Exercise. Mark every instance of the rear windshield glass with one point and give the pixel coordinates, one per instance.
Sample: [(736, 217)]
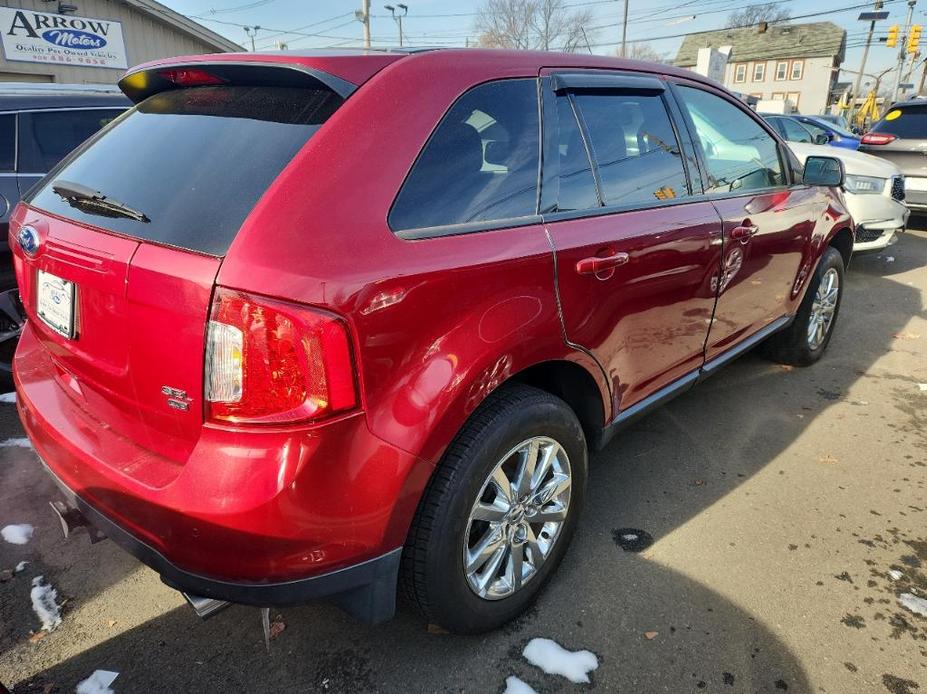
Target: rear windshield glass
[(193, 162), (910, 122)]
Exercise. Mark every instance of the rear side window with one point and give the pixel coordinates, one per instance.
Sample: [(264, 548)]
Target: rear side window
[(909, 122), (480, 164), (577, 186), (739, 154), (46, 137), (634, 147), (7, 142), (193, 161), (792, 131)]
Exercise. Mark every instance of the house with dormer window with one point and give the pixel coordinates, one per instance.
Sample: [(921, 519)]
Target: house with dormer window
[(776, 61)]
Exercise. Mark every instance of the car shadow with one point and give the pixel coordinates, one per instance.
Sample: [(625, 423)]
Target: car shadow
[(653, 627)]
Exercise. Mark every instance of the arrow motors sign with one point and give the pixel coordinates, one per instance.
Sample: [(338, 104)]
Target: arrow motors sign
[(43, 37)]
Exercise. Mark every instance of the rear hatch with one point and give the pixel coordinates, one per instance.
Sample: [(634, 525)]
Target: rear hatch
[(132, 229), (901, 137)]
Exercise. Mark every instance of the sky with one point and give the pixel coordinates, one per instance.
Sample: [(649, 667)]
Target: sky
[(330, 23)]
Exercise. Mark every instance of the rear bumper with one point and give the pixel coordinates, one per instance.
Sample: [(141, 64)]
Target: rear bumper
[(269, 517), (366, 590)]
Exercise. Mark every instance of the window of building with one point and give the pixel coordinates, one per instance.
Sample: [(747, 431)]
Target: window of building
[(481, 163), (758, 95), (782, 68), (739, 154), (778, 96), (798, 67), (794, 98), (634, 147), (759, 72), (740, 72)]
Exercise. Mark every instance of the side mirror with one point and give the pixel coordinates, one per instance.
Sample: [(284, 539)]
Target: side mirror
[(823, 171), (822, 139)]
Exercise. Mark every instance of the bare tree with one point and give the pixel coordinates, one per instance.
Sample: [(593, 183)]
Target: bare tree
[(643, 51), (754, 14), (532, 25)]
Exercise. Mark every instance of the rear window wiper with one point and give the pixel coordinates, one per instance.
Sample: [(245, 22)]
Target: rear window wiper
[(95, 202)]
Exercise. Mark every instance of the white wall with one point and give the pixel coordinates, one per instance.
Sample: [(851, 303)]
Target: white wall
[(809, 94), (145, 38)]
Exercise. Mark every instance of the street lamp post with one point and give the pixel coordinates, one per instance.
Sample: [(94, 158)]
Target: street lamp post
[(252, 32), (403, 10)]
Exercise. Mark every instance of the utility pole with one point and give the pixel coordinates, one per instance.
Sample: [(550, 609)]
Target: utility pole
[(363, 16), (397, 17), (624, 32), (903, 48), (862, 66)]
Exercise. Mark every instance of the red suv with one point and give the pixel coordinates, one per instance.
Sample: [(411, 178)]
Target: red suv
[(306, 326)]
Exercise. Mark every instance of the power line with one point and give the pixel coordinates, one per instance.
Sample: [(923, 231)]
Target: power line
[(744, 26), (248, 6)]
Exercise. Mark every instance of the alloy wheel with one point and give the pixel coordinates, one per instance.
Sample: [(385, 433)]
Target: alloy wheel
[(517, 518), (823, 308)]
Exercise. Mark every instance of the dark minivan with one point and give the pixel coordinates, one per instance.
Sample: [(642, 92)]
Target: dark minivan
[(39, 125)]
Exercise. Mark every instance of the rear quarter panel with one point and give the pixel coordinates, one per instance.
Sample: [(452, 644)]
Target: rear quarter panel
[(439, 323)]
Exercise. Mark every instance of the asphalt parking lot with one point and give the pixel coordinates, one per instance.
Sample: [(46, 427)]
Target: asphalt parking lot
[(788, 509)]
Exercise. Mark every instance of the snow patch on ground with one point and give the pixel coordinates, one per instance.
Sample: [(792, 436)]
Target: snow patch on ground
[(915, 604), (630, 537), (16, 443), (513, 685), (43, 603), (8, 397), (17, 534), (895, 574), (554, 659), (98, 683), (922, 386), (20, 567)]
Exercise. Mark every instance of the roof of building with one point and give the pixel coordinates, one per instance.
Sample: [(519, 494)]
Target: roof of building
[(181, 23), (817, 39)]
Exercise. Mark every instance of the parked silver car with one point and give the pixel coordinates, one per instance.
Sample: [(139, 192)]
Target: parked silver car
[(900, 136)]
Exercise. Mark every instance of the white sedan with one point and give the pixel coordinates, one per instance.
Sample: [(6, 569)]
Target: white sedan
[(874, 188), (874, 193)]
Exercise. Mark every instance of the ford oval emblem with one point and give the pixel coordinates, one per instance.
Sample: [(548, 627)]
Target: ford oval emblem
[(29, 241)]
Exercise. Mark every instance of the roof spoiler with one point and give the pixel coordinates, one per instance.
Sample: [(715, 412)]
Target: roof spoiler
[(147, 80)]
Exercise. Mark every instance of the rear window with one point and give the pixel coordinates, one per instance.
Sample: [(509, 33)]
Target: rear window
[(909, 122), (481, 163), (47, 137), (7, 142), (193, 161)]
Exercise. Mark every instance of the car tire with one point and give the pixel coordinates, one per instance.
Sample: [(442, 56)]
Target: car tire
[(11, 323), (448, 532), (804, 341)]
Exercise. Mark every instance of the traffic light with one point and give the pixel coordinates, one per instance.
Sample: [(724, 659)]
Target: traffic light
[(914, 38), (892, 39)]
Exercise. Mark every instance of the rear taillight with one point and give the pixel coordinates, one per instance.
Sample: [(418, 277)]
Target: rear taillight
[(272, 362), (878, 138), (190, 77)]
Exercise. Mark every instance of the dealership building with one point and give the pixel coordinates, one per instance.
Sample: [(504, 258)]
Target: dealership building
[(94, 41)]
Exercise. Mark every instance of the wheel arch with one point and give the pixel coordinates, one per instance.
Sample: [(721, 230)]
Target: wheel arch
[(843, 240), (574, 385)]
